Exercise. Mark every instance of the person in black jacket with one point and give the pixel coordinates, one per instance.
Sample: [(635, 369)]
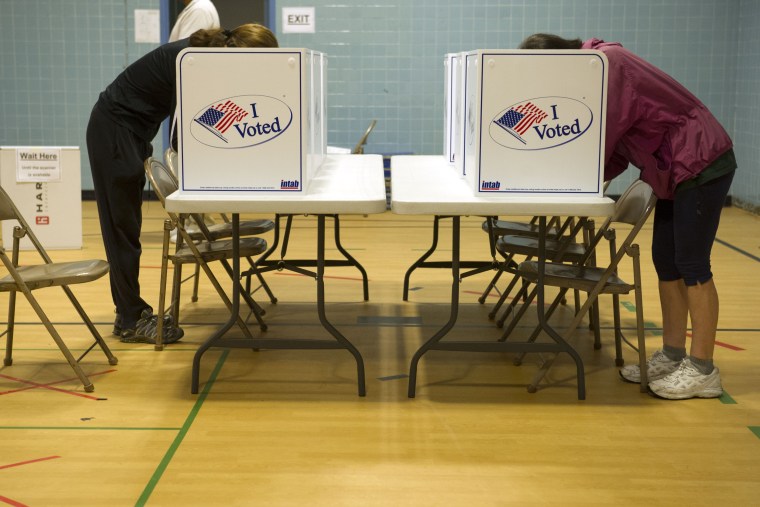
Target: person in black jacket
[(123, 122)]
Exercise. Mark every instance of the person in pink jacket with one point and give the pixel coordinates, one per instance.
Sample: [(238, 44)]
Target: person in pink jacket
[(682, 151)]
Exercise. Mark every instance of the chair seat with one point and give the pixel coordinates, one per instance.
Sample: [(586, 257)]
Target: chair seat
[(222, 249), (506, 227), (574, 277), (56, 274), (526, 245), (224, 229)]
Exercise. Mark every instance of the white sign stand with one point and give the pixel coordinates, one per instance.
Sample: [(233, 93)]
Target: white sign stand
[(47, 192)]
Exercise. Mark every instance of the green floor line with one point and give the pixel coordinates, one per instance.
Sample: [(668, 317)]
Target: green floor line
[(726, 399), (650, 327), (182, 433), (628, 306), (755, 430)]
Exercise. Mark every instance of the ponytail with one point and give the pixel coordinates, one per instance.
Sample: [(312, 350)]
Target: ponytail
[(245, 36)]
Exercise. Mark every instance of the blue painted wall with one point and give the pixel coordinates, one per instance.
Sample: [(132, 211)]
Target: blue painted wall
[(386, 62)]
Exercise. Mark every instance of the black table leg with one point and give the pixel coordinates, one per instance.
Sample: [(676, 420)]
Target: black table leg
[(454, 306)]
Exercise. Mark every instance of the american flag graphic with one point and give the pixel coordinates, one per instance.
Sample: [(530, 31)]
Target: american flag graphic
[(217, 119), (519, 119)]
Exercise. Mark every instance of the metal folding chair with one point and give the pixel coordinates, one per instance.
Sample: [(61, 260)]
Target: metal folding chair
[(197, 252), (212, 231), (30, 277), (632, 209)]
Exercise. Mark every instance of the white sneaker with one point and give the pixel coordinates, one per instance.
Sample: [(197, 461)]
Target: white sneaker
[(658, 365), (688, 382)]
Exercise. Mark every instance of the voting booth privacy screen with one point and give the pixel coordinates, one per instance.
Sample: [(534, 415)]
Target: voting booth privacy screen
[(250, 120), (45, 185), (532, 122), (454, 109)]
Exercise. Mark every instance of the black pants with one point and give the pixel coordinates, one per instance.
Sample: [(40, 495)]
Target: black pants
[(116, 161), (685, 229)]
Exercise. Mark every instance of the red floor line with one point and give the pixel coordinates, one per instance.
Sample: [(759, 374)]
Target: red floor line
[(20, 463), (722, 344), (34, 385), (14, 503), (490, 294)]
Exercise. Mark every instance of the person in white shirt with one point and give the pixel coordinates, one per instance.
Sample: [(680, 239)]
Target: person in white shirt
[(197, 14)]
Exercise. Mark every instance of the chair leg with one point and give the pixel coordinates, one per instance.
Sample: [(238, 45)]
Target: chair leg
[(255, 308), (253, 305), (196, 282), (264, 285), (88, 387), (490, 286), (11, 327), (547, 364), (159, 345), (618, 331), (502, 298), (520, 312), (240, 322), (176, 291), (286, 236), (517, 361), (593, 322), (91, 327), (634, 250)]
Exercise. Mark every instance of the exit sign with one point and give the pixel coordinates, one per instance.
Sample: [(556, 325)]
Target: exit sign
[(298, 20)]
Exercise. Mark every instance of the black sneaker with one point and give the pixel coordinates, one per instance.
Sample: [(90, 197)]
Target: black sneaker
[(145, 330), (117, 326)]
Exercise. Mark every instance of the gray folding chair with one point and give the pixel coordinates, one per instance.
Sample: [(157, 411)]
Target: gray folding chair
[(632, 209), (209, 230), (196, 252), (30, 277), (558, 233)]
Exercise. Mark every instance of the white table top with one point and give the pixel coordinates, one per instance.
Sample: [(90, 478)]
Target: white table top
[(429, 185), (344, 184)]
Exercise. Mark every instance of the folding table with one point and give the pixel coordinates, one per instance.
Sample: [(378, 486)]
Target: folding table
[(344, 184), (428, 185)]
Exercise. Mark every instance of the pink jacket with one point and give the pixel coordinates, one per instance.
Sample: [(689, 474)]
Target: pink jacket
[(655, 123)]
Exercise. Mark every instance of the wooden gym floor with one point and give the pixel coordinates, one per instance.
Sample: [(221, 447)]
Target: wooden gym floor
[(287, 427)]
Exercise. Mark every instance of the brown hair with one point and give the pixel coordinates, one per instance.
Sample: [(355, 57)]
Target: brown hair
[(549, 41), (245, 36)]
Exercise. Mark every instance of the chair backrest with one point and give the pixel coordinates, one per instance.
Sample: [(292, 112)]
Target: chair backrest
[(8, 210), (635, 203), (632, 208), (170, 159), (359, 148), (164, 184), (161, 179)]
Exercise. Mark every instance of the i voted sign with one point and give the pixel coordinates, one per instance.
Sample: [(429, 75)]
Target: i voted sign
[(541, 123), (241, 121)]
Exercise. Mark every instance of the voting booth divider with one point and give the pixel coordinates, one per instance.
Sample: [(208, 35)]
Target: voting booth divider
[(453, 109), (251, 121), (532, 123), (45, 184)]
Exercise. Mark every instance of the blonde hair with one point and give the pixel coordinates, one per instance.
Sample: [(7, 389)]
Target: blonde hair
[(249, 35)]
